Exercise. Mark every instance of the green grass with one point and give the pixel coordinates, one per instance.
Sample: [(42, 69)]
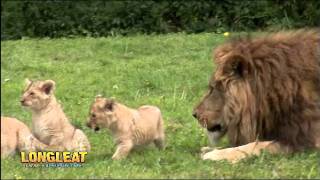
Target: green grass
[(169, 71)]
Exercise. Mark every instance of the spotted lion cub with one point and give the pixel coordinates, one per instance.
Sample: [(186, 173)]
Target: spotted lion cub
[(50, 124), (130, 127)]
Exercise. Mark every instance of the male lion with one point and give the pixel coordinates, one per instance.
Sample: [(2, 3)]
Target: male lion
[(130, 127), (265, 95), (50, 124), (16, 136)]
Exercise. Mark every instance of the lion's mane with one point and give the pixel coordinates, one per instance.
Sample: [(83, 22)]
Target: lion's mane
[(272, 87)]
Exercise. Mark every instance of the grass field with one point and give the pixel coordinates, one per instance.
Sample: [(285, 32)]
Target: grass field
[(169, 71)]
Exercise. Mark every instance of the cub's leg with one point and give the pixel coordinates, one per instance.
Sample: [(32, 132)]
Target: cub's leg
[(123, 150), (8, 147), (159, 141), (28, 142), (80, 142), (58, 141)]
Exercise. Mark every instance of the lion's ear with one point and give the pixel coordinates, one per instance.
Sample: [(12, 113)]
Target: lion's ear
[(109, 104), (27, 82), (48, 86), (98, 96), (237, 66)]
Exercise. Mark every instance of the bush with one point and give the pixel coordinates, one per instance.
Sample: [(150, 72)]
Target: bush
[(58, 18)]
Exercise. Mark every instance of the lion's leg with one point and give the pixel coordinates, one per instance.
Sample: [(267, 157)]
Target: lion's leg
[(206, 149), (84, 144), (8, 145), (123, 150), (160, 143), (214, 138), (58, 142), (80, 142), (39, 146), (160, 140), (28, 142), (7, 149), (237, 153)]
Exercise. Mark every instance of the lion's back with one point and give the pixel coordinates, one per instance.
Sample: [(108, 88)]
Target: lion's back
[(150, 118)]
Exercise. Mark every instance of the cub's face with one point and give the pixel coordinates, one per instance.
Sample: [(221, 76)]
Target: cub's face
[(37, 94), (102, 114)]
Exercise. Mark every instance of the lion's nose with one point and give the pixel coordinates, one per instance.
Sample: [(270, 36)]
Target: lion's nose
[(22, 101)]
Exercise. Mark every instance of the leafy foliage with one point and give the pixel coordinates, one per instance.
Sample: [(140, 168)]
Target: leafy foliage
[(56, 18)]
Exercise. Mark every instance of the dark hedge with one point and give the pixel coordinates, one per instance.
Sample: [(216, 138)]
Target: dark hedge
[(102, 18)]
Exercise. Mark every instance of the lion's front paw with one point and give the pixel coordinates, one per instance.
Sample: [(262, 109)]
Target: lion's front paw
[(232, 155), (206, 149)]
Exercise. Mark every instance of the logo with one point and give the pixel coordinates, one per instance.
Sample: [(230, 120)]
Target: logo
[(53, 159)]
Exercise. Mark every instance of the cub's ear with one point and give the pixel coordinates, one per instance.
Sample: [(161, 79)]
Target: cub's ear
[(48, 86), (27, 82), (109, 104), (236, 65), (98, 96)]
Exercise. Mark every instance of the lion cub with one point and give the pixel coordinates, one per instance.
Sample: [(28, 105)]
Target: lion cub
[(50, 124), (130, 127), (16, 136)]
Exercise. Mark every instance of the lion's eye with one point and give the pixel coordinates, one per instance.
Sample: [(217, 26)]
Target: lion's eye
[(93, 115), (31, 93)]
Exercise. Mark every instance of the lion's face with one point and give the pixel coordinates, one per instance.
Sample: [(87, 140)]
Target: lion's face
[(37, 94), (209, 111), (102, 114)]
